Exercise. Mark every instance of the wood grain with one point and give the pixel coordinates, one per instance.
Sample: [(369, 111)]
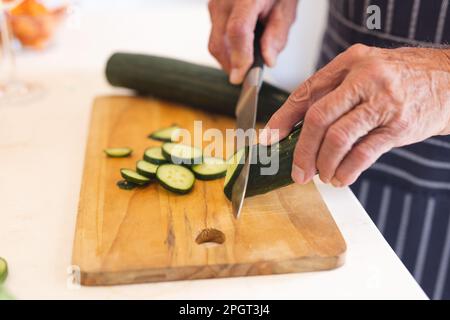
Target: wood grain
[(148, 234)]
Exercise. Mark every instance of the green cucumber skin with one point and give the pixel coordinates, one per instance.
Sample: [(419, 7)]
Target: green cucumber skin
[(177, 191), (260, 184), (132, 180), (155, 161), (151, 136), (199, 86), (146, 174)]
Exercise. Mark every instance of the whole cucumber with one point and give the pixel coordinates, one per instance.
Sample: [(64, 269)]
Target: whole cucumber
[(174, 80)]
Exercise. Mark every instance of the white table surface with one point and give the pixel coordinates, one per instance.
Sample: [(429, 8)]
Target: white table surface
[(42, 151)]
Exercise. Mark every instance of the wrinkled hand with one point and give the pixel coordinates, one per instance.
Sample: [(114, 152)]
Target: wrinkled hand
[(363, 103), (232, 33)]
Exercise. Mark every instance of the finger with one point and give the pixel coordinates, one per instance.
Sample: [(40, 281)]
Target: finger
[(276, 30), (216, 46), (240, 34), (342, 135), (318, 85), (317, 120), (362, 156)]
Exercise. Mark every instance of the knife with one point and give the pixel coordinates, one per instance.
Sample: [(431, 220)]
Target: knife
[(246, 110)]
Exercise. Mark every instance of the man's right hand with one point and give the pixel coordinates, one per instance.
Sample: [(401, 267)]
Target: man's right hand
[(232, 33)]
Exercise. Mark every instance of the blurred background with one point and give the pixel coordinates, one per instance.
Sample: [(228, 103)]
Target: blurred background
[(88, 31)]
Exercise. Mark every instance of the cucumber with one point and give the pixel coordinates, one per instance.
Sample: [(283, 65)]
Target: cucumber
[(187, 83), (175, 178), (118, 152), (235, 164), (258, 183), (169, 134), (181, 153), (210, 169), (3, 270), (146, 169), (154, 155), (134, 177), (126, 185)]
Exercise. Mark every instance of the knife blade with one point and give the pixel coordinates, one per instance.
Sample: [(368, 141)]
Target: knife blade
[(246, 110)]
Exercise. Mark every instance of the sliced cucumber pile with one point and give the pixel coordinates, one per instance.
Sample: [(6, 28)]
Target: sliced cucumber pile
[(154, 155), (168, 134), (134, 177), (175, 178), (174, 165), (210, 169), (146, 169), (118, 152), (181, 153), (3, 270)]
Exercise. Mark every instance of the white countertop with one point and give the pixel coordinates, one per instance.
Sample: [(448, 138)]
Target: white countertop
[(42, 151)]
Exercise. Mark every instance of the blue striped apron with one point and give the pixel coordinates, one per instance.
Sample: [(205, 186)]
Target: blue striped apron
[(407, 191)]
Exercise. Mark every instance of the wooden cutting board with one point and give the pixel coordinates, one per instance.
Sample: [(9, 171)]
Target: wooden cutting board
[(149, 234)]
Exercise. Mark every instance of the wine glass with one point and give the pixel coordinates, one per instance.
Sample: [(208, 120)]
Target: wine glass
[(12, 89)]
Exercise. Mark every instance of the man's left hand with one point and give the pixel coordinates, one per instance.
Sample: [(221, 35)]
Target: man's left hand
[(362, 104)]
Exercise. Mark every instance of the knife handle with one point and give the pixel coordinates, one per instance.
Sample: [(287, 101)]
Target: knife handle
[(258, 60)]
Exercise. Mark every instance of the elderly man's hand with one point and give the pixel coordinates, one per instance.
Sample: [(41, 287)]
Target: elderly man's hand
[(232, 33), (365, 102)]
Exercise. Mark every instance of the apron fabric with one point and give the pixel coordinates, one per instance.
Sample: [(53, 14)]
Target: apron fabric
[(407, 191)]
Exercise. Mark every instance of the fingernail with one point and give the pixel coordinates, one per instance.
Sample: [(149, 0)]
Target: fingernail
[(271, 57), (234, 76), (301, 94), (298, 175), (264, 137), (325, 180), (336, 183)]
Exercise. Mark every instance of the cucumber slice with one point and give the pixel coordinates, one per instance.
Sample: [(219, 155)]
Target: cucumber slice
[(181, 153), (235, 164), (3, 270), (118, 152), (146, 169), (126, 185), (168, 134), (210, 169), (154, 155), (133, 176), (175, 178)]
